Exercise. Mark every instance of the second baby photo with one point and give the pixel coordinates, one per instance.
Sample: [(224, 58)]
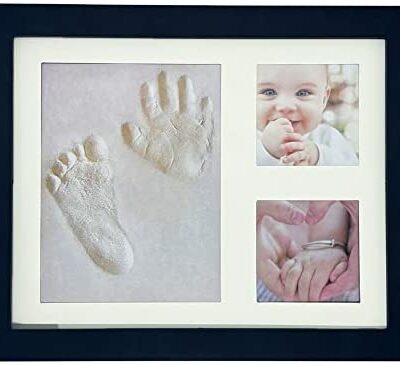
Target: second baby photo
[(307, 251), (307, 115)]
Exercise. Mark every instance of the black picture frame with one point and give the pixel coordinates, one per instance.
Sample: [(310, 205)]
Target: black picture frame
[(200, 22)]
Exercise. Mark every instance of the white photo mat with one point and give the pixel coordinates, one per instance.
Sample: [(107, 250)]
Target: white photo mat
[(242, 183)]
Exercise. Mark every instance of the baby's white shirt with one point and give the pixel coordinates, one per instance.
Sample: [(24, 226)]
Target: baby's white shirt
[(334, 149)]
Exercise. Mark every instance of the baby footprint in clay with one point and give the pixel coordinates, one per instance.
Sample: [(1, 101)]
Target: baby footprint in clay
[(81, 182)]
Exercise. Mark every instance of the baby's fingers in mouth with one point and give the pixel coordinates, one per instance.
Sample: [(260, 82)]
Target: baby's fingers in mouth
[(282, 121)]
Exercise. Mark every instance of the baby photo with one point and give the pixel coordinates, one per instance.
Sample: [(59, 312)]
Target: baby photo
[(307, 251), (130, 198), (307, 115)]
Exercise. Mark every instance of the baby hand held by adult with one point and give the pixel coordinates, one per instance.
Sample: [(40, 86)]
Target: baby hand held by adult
[(290, 274), (318, 265)]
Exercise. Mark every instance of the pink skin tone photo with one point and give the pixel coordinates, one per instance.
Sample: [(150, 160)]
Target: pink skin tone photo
[(290, 103), (295, 274)]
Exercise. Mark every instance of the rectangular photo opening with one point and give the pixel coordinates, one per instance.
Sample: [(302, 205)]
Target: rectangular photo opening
[(307, 251), (130, 199), (307, 115)]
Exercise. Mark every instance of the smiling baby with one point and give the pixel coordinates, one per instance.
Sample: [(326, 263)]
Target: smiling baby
[(290, 103)]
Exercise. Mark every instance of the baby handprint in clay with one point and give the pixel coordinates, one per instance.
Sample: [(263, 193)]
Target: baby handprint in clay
[(177, 137)]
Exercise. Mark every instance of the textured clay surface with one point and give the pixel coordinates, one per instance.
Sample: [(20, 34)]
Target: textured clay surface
[(177, 134), (81, 182)]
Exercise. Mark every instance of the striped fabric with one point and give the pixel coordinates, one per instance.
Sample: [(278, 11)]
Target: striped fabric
[(265, 295)]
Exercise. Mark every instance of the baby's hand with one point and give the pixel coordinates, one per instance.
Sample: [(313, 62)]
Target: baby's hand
[(305, 154), (310, 271), (277, 135)]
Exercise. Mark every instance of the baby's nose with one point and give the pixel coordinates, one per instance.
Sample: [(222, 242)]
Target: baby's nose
[(285, 105)]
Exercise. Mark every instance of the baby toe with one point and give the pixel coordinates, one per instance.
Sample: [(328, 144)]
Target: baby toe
[(96, 148), (53, 183), (59, 169), (68, 159), (79, 152)]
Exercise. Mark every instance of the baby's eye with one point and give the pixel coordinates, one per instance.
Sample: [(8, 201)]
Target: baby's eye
[(303, 92), (269, 92)]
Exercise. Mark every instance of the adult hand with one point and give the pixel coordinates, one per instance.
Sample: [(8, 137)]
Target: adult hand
[(274, 248), (281, 210), (350, 278), (274, 244)]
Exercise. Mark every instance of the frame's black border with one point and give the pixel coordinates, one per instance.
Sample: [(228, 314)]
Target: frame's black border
[(200, 22)]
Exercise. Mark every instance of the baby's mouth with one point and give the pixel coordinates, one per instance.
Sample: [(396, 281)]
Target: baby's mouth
[(295, 123)]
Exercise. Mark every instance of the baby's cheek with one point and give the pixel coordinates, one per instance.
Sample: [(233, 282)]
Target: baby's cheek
[(263, 115)]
